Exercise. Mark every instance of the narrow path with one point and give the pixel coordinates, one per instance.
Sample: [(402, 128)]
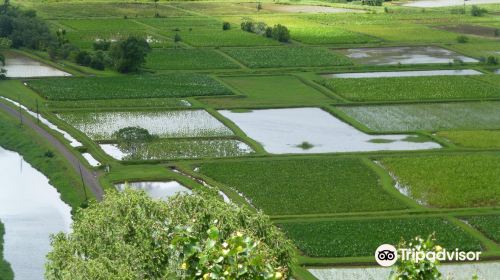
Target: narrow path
[(89, 176)]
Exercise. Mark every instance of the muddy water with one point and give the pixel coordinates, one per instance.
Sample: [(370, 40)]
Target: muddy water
[(312, 130), (404, 55), (18, 66), (157, 190), (31, 210), (429, 73)]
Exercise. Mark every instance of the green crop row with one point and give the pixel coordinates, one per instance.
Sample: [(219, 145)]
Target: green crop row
[(305, 186), (469, 180), (186, 59), (171, 85), (483, 139), (350, 238), (411, 88), (287, 57), (489, 225)]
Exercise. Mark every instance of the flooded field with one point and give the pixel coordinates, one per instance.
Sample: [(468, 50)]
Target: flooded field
[(484, 270), (180, 149), (181, 123), (72, 141), (19, 66), (429, 117), (446, 3), (388, 74), (157, 190), (312, 130), (404, 55), (91, 160), (31, 210)]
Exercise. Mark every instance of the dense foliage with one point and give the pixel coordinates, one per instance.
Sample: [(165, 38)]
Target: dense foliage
[(130, 54), (130, 236), (489, 225), (347, 238), (5, 270), (305, 186)]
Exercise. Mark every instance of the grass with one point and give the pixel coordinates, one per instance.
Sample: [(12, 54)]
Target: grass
[(488, 225), (261, 91), (305, 186), (405, 33), (346, 238), (482, 139), (287, 57), (33, 148), (188, 148), (451, 181), (5, 269), (429, 117), (188, 59), (102, 25), (165, 86), (411, 88)]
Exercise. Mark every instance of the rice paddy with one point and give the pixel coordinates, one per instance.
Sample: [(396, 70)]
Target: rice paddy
[(370, 124)]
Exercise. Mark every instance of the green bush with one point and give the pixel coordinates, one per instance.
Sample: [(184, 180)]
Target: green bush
[(226, 25), (462, 39), (280, 33), (130, 236), (477, 11)]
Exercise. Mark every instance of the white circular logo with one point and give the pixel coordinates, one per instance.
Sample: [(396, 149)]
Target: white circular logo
[(386, 255)]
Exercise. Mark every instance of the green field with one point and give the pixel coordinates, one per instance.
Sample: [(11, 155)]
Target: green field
[(109, 25), (429, 117), (345, 238), (261, 91), (286, 57), (449, 181), (305, 186), (489, 225), (188, 59), (171, 85), (411, 88), (482, 139)]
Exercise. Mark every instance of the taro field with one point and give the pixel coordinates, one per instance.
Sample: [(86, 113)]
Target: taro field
[(367, 125)]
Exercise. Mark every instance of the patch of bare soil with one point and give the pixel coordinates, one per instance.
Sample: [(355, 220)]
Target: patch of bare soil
[(472, 30)]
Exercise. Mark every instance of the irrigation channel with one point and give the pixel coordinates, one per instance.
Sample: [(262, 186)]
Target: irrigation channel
[(31, 210)]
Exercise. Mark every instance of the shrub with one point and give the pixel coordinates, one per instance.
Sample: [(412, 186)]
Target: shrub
[(226, 25), (372, 2), (281, 33), (98, 60), (491, 60), (83, 58), (247, 25), (102, 45), (462, 39), (497, 32), (477, 11), (130, 54), (187, 237)]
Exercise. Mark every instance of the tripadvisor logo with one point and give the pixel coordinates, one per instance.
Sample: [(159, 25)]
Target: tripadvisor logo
[(387, 255)]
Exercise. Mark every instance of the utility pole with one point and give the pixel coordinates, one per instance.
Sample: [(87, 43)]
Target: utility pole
[(37, 113), (83, 182), (20, 112)]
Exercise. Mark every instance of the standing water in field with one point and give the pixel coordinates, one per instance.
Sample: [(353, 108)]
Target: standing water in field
[(447, 3), (31, 210), (19, 66), (404, 55), (312, 130), (389, 74), (157, 190)]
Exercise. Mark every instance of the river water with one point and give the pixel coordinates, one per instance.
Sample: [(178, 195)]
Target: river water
[(31, 210)]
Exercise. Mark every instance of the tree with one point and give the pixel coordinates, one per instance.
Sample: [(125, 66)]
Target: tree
[(281, 33), (226, 25), (3, 72), (259, 7), (157, 14), (422, 270), (131, 138), (130, 236), (477, 11), (2, 59), (130, 54)]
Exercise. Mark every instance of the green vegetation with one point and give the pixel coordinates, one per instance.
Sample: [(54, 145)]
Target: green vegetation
[(305, 186), (129, 55), (449, 181), (482, 139), (171, 85), (411, 88), (430, 117), (181, 149), (489, 225), (188, 59), (262, 91), (5, 270), (33, 149), (345, 238), (287, 57), (134, 242)]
